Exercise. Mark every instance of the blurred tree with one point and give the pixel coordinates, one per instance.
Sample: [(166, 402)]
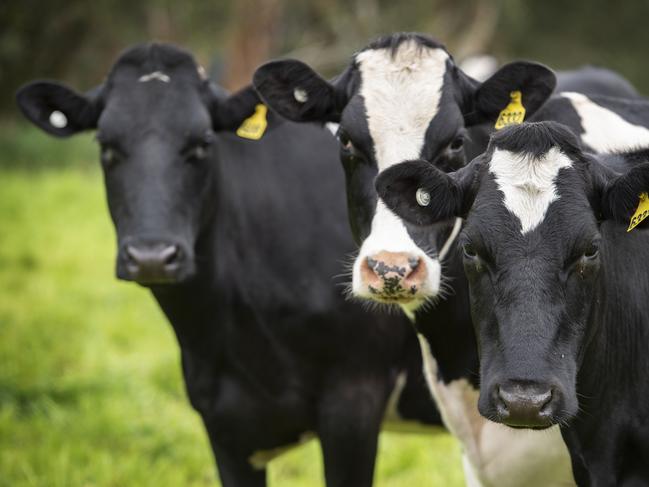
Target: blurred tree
[(77, 40)]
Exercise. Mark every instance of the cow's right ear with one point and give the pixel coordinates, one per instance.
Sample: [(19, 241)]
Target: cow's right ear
[(296, 92), (59, 110), (421, 194), (518, 83)]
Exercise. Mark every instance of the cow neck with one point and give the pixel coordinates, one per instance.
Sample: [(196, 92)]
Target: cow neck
[(449, 331)]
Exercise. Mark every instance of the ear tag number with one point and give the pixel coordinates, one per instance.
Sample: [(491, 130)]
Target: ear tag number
[(641, 213), (254, 126), (514, 113)]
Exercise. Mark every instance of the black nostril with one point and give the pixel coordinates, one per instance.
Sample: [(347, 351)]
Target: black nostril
[(131, 253), (545, 400), (170, 254)]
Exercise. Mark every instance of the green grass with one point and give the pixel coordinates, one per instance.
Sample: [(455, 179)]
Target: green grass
[(90, 386)]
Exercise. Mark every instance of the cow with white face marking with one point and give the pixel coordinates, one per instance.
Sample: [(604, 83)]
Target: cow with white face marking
[(558, 285), (401, 98), (272, 353)]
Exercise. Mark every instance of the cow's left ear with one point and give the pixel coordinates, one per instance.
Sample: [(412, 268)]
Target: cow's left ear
[(620, 194), (421, 194), (59, 110), (486, 101)]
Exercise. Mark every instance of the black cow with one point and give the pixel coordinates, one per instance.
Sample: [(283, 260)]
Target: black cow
[(400, 99), (558, 288), (240, 253)]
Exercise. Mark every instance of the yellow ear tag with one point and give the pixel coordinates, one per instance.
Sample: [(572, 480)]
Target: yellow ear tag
[(514, 113), (641, 213), (255, 125)]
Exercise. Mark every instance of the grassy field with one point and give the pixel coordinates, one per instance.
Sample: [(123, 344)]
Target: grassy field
[(90, 385)]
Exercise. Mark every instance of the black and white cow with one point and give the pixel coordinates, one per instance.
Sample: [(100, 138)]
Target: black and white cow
[(401, 98), (558, 288), (240, 253)]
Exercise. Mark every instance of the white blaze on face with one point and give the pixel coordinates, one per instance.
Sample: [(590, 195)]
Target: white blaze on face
[(605, 130), (528, 183), (401, 93)]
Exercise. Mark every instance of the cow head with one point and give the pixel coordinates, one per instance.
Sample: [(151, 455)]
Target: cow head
[(401, 98), (534, 204), (156, 118)]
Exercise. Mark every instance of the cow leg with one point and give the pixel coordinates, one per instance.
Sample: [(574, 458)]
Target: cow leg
[(235, 470), (349, 425)]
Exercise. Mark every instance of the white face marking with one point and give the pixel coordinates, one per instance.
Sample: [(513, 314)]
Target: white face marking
[(528, 183), (157, 75), (332, 127), (300, 95), (58, 119), (606, 131), (401, 93)]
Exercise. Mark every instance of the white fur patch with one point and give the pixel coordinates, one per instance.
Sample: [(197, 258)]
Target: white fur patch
[(401, 94), (157, 75), (604, 129), (332, 127), (493, 454), (389, 234), (528, 183)]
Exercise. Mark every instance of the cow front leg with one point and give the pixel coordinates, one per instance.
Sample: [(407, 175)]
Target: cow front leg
[(349, 425), (235, 469)]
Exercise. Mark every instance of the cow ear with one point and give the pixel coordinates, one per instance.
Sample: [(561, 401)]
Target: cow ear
[(534, 81), (421, 194), (295, 91), (620, 194), (59, 110), (228, 111)]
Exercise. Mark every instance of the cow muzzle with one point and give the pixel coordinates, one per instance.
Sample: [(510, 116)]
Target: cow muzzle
[(526, 405), (394, 277), (154, 262)]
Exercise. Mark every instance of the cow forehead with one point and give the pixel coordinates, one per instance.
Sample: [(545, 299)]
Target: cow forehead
[(401, 89), (528, 182)]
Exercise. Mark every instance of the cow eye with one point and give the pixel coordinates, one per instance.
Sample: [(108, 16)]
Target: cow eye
[(198, 150), (197, 153), (345, 141), (457, 143), (108, 156), (592, 252), (469, 251)]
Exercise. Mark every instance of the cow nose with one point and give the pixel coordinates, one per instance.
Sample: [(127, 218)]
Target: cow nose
[(393, 275), (153, 263), (526, 405)]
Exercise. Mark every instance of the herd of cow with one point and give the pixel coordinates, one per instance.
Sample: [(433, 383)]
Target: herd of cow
[(524, 299)]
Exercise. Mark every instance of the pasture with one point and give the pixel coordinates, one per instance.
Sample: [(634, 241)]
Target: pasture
[(90, 384)]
